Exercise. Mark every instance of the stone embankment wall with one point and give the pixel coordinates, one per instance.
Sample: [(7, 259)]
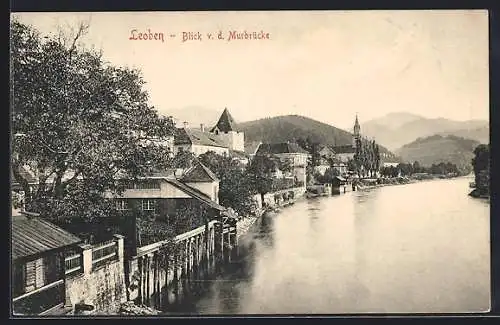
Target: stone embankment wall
[(103, 286)]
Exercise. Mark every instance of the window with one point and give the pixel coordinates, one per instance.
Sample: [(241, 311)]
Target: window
[(121, 205), (148, 205), (40, 272), (143, 185)]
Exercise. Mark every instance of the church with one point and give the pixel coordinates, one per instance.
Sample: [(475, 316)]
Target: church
[(346, 152), (225, 138)]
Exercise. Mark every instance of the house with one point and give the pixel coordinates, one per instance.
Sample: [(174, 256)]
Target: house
[(327, 151), (324, 164), (251, 148), (340, 166), (240, 157), (198, 142), (203, 179), (288, 151), (38, 266), (224, 138), (162, 196)]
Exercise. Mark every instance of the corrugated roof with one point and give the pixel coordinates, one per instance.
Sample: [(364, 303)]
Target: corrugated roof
[(277, 148), (198, 137), (226, 122), (33, 235), (199, 173)]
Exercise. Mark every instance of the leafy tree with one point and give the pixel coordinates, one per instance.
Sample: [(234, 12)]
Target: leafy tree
[(80, 124), (183, 159), (235, 188), (481, 167), (260, 173)]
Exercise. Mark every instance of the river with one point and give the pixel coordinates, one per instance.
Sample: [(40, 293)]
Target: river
[(421, 247)]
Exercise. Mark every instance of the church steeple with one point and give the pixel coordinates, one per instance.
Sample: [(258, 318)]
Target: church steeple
[(357, 128), (356, 135)]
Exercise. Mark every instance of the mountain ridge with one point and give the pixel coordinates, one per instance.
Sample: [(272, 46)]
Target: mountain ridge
[(406, 127)]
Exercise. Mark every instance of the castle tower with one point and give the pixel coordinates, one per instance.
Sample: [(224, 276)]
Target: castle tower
[(227, 129), (356, 134)]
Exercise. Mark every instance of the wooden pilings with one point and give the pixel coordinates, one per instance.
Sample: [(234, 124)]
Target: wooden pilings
[(163, 279)]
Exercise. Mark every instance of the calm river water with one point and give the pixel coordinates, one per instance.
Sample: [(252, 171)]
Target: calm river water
[(422, 247)]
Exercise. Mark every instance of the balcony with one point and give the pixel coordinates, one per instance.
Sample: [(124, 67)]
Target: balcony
[(40, 300)]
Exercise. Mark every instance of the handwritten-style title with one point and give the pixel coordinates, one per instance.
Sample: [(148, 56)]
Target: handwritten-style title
[(149, 35)]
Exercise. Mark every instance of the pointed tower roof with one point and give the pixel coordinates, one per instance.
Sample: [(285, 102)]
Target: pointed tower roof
[(226, 122), (356, 123)]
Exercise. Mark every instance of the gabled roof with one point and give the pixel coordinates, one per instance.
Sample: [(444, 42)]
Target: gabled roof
[(277, 148), (251, 147), (199, 173), (196, 194), (33, 235), (226, 122), (198, 137), (348, 148)]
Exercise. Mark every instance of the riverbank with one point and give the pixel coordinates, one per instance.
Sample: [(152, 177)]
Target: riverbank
[(380, 182)]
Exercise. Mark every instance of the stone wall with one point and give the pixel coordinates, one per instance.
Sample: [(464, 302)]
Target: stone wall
[(102, 287)]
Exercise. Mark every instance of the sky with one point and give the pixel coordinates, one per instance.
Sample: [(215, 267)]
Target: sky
[(326, 65)]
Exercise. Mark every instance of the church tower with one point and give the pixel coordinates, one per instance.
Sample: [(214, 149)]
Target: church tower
[(356, 135), (227, 129)]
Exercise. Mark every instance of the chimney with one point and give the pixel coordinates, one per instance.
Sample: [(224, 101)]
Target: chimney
[(186, 124), (202, 127)]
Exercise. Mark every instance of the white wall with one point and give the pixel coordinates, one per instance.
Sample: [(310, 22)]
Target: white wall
[(235, 140), (209, 188)]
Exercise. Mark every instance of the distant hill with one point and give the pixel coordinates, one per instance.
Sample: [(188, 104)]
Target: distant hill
[(481, 134), (439, 148), (293, 127), (396, 129)]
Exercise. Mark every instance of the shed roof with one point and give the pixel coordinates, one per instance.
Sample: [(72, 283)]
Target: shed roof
[(33, 235)]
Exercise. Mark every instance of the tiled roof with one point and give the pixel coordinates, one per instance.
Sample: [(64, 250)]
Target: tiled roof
[(251, 147), (277, 148), (226, 123), (344, 149), (199, 173), (198, 137), (33, 235)]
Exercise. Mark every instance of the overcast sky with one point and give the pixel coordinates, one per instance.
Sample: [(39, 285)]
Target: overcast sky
[(326, 65)]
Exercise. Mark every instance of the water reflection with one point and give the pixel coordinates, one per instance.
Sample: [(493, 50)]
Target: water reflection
[(394, 249)]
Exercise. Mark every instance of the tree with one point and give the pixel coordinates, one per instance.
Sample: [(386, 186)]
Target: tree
[(183, 159), (260, 173), (80, 124), (481, 167), (235, 188)]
